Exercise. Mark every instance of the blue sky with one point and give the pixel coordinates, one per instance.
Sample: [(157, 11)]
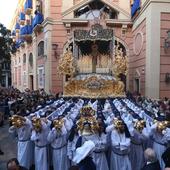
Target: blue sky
[(7, 9)]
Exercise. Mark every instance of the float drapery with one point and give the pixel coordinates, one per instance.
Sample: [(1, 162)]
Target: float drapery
[(96, 33)]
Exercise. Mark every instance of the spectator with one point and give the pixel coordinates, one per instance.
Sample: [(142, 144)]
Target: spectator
[(151, 161), (87, 164), (1, 119), (166, 158), (13, 164), (1, 152), (74, 168)]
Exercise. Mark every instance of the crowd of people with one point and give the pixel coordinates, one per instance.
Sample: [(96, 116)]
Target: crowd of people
[(131, 133), (13, 101)]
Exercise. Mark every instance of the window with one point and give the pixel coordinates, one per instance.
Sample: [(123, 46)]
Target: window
[(31, 60), (7, 66), (3, 66), (24, 78), (19, 76), (96, 10), (41, 49), (137, 85), (24, 58), (41, 77)]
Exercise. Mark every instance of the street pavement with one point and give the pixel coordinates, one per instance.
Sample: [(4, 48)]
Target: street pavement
[(8, 146)]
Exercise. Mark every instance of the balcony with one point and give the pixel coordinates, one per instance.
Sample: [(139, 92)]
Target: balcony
[(19, 43), (17, 28), (28, 7), (26, 33), (22, 18), (38, 19)]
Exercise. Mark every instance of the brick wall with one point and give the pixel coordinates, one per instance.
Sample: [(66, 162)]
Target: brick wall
[(137, 57), (165, 56)]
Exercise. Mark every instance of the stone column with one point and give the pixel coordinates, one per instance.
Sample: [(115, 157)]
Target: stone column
[(6, 79), (48, 55), (35, 78)]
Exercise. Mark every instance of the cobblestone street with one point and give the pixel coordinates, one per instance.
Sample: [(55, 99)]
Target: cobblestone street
[(8, 146)]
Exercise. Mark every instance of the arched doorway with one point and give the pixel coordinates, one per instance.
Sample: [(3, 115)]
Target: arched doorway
[(31, 77), (137, 81)]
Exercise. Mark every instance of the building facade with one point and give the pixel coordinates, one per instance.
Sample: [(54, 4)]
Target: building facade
[(44, 30)]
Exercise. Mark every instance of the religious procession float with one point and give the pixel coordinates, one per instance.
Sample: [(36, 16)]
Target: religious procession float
[(93, 65)]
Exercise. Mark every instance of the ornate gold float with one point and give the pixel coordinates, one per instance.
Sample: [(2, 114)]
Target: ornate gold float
[(93, 75)]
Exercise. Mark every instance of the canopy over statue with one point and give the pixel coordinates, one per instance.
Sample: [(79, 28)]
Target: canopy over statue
[(93, 65)]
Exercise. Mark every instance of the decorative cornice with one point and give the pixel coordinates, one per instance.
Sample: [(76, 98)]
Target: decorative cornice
[(72, 21), (47, 21), (118, 22), (75, 21), (50, 21)]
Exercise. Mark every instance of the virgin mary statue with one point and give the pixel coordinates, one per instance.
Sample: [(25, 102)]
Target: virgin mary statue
[(95, 62)]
